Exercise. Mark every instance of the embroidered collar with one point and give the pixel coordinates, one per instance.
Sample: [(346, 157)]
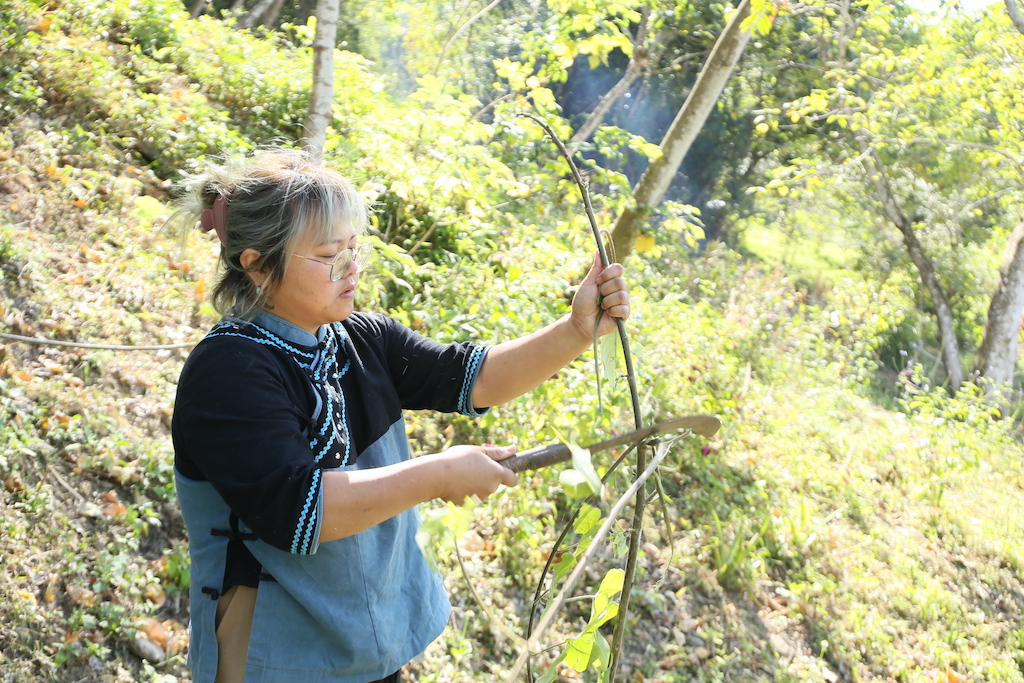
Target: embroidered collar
[(327, 430)]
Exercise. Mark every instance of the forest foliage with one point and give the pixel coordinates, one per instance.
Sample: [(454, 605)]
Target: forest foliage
[(857, 518)]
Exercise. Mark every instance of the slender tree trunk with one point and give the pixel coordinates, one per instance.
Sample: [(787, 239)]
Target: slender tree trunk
[(997, 356), (198, 8), (322, 94), (638, 64), (925, 269), (255, 14), (1011, 9), (633, 72), (655, 181), (270, 19)]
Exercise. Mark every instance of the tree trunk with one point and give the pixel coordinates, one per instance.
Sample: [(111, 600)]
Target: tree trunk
[(637, 66), (1011, 9), (255, 14), (655, 181), (925, 269), (997, 356), (198, 8), (633, 72), (270, 19), (322, 93)]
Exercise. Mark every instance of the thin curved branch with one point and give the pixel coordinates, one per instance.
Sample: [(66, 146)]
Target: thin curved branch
[(641, 460), (472, 20), (984, 200), (1017, 162)]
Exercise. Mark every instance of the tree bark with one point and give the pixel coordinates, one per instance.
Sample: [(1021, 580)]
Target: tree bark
[(633, 72), (1011, 9), (997, 356), (638, 64), (255, 14), (655, 181), (198, 8), (270, 19), (322, 93), (925, 269)]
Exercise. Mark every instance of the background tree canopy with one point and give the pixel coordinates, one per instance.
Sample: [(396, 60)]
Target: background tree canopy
[(833, 271)]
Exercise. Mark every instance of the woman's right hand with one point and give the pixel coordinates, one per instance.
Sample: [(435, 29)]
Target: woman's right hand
[(473, 471)]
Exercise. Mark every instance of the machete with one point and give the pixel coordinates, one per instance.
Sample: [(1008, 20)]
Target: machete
[(544, 456)]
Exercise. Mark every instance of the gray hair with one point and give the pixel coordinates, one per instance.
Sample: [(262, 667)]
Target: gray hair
[(274, 196)]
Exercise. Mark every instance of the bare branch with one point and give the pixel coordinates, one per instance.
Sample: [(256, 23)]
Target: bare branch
[(472, 20), (984, 200), (1011, 9)]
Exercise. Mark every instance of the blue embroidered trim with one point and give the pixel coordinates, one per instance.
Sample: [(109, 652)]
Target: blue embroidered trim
[(314, 488), (329, 426), (270, 338), (476, 358)]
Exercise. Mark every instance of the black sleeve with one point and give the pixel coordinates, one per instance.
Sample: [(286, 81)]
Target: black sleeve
[(238, 423), (429, 375)]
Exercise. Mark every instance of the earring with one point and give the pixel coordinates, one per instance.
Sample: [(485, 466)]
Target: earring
[(259, 290)]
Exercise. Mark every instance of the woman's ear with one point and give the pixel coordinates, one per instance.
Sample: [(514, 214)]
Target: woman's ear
[(249, 258)]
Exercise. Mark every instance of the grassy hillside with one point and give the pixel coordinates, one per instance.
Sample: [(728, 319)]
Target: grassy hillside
[(842, 527)]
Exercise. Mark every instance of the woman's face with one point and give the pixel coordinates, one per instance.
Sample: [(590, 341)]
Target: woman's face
[(306, 297)]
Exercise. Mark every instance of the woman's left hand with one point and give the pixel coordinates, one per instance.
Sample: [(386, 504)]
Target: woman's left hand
[(607, 286)]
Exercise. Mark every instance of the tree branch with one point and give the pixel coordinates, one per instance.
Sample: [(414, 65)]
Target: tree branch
[(638, 64), (925, 269), (1011, 9), (472, 20), (641, 459), (689, 120)]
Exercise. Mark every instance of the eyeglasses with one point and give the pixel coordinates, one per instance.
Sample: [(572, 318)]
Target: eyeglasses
[(359, 255)]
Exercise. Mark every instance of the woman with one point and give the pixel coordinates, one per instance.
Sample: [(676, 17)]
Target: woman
[(291, 461)]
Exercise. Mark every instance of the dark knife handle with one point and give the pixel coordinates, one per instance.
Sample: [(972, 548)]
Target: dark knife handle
[(536, 458)]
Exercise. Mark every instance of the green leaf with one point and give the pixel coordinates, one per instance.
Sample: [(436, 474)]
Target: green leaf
[(577, 654), (603, 608), (563, 566), (581, 463), (587, 521), (601, 654), (608, 350), (576, 485), (589, 646)]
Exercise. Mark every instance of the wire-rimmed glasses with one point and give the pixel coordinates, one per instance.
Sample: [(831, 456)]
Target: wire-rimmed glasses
[(359, 255)]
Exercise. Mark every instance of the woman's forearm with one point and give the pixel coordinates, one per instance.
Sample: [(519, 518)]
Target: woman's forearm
[(359, 499), (356, 500), (515, 367)]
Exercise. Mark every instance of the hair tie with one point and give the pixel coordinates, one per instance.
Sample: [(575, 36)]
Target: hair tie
[(217, 218)]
